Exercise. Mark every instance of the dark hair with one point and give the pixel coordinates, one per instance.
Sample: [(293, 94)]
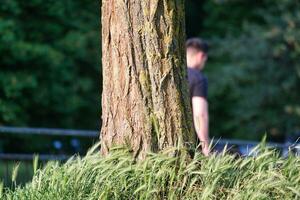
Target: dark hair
[(197, 44)]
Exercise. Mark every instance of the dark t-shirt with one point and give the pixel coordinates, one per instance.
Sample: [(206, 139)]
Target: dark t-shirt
[(197, 83)]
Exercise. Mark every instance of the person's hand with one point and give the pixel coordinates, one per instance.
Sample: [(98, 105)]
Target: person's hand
[(206, 151)]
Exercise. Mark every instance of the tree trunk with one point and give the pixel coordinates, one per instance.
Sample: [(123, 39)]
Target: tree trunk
[(145, 100)]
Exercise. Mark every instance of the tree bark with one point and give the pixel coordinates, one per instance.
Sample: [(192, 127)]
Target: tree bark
[(145, 102)]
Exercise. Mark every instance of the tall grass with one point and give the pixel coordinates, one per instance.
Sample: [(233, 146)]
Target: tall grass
[(161, 176)]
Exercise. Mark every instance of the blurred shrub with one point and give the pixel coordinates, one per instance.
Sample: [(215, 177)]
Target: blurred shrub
[(255, 75), (49, 59)]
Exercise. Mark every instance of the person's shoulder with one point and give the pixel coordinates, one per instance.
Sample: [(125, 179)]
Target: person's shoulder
[(193, 72), (196, 74)]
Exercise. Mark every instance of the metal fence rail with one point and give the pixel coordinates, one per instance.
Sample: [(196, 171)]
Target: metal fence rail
[(95, 134), (48, 131), (41, 132), (248, 143), (8, 160), (30, 157)]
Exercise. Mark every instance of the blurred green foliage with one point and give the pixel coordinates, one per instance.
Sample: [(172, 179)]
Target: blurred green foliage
[(49, 59), (254, 69), (51, 76)]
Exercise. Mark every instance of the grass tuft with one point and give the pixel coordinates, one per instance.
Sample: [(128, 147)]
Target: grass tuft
[(265, 175)]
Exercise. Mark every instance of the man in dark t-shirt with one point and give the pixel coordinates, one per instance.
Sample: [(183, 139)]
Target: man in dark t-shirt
[(196, 58)]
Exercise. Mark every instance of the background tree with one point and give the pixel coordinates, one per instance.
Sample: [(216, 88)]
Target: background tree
[(145, 96), (49, 58), (50, 74), (49, 69), (254, 72)]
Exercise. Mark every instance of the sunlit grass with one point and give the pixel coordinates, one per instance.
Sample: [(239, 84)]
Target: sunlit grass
[(161, 176)]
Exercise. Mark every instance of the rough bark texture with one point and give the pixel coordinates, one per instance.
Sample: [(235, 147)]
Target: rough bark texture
[(145, 101)]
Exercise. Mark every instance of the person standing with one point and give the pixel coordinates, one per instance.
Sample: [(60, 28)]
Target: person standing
[(196, 54)]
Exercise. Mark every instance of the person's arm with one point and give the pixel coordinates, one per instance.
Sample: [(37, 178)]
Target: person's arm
[(201, 121)]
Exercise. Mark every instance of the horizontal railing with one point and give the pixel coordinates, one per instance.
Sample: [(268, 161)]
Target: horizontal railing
[(249, 143), (95, 134), (8, 160), (48, 131), (30, 157), (42, 132)]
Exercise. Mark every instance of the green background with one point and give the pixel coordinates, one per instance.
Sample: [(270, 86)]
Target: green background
[(50, 69)]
